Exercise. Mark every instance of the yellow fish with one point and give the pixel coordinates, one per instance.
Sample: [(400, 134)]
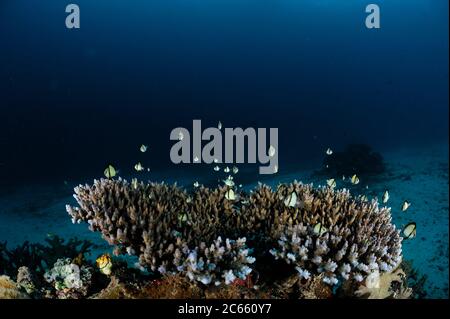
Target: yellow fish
[(291, 200), (182, 217), (104, 264), (319, 229), (138, 167), (331, 182), (355, 180), (134, 183), (229, 181), (230, 194), (110, 171)]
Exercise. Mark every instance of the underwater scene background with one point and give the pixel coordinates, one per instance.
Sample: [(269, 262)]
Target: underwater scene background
[(73, 101)]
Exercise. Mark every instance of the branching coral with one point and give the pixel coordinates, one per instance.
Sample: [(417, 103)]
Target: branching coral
[(174, 231), (167, 228), (357, 241), (219, 262), (39, 257), (27, 254), (356, 237)]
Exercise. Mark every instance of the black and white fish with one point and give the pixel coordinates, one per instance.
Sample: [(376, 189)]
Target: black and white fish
[(405, 205), (143, 148), (410, 230), (291, 200)]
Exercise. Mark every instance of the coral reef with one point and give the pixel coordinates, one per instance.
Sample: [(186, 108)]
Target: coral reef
[(10, 290), (35, 267), (39, 257), (297, 241), (26, 280), (164, 226), (69, 279), (415, 280), (355, 159), (174, 287), (26, 254), (337, 254), (173, 231), (169, 287), (78, 278), (296, 287), (387, 285), (356, 237), (221, 261)]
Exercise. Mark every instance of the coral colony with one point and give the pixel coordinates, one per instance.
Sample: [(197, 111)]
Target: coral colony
[(297, 241), (325, 236)]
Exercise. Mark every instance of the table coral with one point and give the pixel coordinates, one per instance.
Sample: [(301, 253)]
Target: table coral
[(172, 230)]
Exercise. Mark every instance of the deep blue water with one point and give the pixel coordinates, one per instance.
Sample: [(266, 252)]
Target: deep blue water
[(73, 100)]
